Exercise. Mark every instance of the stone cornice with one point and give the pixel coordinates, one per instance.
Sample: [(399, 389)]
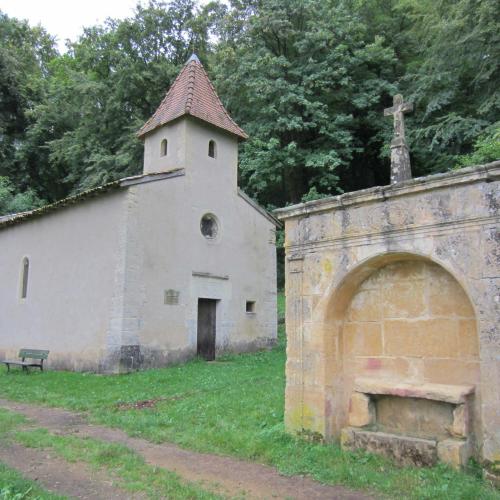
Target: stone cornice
[(481, 173), (373, 237)]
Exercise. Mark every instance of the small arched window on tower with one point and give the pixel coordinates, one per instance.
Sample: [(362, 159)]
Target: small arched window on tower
[(164, 147), (212, 149), (25, 268)]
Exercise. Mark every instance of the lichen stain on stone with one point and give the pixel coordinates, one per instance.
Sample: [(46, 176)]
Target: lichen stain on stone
[(301, 417), (345, 220), (442, 208), (492, 199), (304, 230), (321, 232), (399, 215), (345, 261), (492, 241), (327, 266)]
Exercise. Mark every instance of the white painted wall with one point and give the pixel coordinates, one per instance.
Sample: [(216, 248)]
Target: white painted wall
[(73, 254), (175, 134), (169, 247), (99, 268)]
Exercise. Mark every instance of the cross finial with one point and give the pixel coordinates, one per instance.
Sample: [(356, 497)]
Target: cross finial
[(400, 156), (194, 58), (398, 109)]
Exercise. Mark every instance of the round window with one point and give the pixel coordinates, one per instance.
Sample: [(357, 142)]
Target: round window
[(208, 226)]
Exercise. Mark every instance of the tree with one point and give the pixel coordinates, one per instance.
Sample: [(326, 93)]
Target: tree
[(486, 148), (104, 89), (25, 54), (307, 79), (308, 84), (20, 202), (453, 77)]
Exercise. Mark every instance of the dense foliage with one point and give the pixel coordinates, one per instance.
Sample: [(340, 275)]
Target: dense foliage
[(307, 79)]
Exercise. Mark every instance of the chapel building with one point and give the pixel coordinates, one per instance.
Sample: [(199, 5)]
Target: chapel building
[(151, 269)]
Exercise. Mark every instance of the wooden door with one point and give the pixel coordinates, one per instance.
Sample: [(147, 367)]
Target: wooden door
[(206, 328)]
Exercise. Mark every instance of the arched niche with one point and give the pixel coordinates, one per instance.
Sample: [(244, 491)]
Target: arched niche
[(402, 318)]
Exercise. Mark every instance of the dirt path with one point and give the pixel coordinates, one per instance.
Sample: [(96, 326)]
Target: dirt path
[(58, 476), (225, 475)]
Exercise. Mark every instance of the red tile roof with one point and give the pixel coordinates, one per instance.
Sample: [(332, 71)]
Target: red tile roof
[(192, 93)]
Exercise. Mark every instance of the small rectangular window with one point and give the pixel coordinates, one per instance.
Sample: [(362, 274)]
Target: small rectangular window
[(250, 306)]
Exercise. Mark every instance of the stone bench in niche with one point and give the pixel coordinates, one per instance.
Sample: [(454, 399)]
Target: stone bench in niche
[(415, 424)]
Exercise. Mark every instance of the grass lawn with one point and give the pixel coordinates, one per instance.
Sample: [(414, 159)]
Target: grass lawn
[(13, 486), (235, 407), (130, 470)]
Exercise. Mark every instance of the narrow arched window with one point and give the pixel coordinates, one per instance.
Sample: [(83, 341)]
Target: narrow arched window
[(212, 149), (164, 147), (24, 277)]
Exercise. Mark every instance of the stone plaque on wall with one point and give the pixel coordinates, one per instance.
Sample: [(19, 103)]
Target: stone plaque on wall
[(171, 297)]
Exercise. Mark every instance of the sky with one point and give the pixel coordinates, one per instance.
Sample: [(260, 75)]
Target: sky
[(66, 18)]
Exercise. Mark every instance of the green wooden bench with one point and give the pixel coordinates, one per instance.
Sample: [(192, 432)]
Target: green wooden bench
[(25, 354)]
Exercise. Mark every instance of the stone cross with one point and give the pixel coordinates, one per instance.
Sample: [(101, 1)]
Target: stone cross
[(400, 156)]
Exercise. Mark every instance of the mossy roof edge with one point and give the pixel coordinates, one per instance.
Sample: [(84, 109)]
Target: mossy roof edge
[(16, 218)]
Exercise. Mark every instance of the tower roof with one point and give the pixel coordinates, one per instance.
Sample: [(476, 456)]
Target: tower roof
[(192, 93)]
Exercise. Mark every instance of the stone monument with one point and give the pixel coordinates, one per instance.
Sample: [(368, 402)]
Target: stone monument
[(400, 155), (392, 300)]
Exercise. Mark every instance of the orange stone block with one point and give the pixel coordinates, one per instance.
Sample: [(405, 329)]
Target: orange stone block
[(439, 338), (421, 338), (447, 297), (451, 371), (377, 366), (405, 270), (454, 452), (404, 300), (401, 338), (366, 305), (460, 427), (362, 339), (468, 342), (361, 410)]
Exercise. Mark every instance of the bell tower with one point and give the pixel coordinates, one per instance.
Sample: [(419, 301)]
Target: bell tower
[(191, 129)]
